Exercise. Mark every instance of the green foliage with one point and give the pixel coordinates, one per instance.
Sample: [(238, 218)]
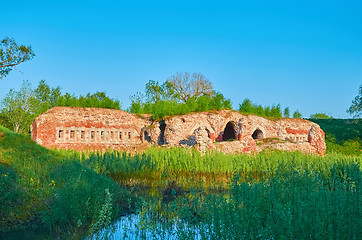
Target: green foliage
[(340, 130), (156, 92), (342, 135), (356, 108), (247, 107), (174, 162), (297, 114), (51, 190), (19, 108), (276, 195), (97, 100), (11, 55), (47, 96), (320, 116), (11, 194), (289, 205), (286, 112), (161, 109)]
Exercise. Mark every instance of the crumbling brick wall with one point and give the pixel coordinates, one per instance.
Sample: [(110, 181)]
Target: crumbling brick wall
[(226, 130), (296, 134), (87, 128)]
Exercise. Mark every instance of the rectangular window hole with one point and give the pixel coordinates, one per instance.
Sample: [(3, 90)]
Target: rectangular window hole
[(72, 133)]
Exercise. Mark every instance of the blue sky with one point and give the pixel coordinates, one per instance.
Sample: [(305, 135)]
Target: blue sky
[(306, 55)]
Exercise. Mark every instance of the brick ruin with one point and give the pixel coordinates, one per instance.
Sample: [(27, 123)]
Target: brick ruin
[(227, 131)]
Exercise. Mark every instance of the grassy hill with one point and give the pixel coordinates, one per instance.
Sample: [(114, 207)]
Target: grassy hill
[(44, 189), (342, 135)]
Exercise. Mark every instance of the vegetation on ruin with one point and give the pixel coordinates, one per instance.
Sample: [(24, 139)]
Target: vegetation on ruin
[(247, 107), (161, 109), (182, 93)]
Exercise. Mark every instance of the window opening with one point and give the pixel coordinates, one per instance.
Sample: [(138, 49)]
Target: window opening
[(72, 133), (61, 134), (82, 135)]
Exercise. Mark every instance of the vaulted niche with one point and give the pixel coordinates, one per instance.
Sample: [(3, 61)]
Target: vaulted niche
[(161, 137), (229, 132), (257, 134)]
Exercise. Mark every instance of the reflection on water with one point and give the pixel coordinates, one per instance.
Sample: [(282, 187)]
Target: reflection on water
[(133, 227)]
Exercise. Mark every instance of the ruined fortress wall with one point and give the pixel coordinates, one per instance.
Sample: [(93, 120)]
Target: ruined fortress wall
[(87, 128), (226, 130), (217, 129)]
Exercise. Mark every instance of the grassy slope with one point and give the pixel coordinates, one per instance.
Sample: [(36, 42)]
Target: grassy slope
[(342, 135), (42, 188)]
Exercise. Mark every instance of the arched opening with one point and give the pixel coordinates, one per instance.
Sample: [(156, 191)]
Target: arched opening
[(229, 132), (257, 134)]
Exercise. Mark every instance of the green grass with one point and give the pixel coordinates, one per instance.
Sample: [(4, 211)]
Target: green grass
[(41, 188), (342, 135)]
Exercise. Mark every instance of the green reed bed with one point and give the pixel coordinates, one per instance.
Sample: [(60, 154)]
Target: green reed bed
[(158, 163), (289, 205), (274, 195)]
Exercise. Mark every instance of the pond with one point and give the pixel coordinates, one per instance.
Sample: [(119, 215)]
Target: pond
[(137, 227)]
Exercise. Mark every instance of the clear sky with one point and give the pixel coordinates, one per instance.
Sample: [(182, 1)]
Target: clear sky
[(303, 54)]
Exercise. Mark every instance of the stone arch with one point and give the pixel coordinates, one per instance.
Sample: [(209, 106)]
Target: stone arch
[(230, 131), (257, 134)]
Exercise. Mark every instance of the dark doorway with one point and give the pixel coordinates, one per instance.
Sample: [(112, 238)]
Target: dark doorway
[(229, 132), (161, 137), (258, 134), (146, 137)]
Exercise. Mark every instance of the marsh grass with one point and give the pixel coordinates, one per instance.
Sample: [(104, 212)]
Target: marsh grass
[(44, 189), (272, 195)]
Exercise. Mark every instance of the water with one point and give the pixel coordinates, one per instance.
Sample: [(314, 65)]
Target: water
[(135, 227)]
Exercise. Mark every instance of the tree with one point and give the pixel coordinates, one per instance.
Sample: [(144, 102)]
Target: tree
[(11, 55), (246, 107), (98, 100), (19, 108), (356, 108), (156, 92), (286, 112), (297, 114), (188, 85), (320, 116), (47, 96)]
